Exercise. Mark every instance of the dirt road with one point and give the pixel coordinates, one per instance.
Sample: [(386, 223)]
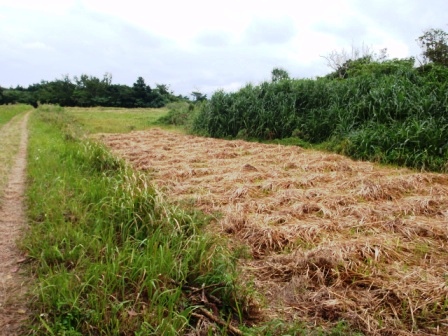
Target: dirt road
[(13, 152)]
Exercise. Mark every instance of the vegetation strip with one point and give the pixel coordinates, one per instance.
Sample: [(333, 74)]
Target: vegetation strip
[(111, 255)]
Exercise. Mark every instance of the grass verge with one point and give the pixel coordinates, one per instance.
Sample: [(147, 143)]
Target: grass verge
[(110, 255)]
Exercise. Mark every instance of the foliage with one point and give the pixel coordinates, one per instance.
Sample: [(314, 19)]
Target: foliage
[(198, 96), (343, 61), (434, 43), (386, 111), (88, 91), (111, 256), (179, 114), (279, 74)]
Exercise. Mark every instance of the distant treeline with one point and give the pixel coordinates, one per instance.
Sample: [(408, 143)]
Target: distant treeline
[(86, 91)]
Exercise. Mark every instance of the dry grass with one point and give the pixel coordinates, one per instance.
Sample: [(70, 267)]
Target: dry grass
[(330, 238)]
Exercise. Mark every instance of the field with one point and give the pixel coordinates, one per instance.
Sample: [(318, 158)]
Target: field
[(117, 120), (322, 237), (193, 235)]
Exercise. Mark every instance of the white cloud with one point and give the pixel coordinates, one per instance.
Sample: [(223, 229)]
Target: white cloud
[(199, 44)]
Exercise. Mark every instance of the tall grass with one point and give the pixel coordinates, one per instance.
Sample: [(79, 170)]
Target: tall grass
[(389, 112), (111, 256)]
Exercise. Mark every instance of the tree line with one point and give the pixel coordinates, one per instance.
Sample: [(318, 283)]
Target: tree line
[(88, 91)]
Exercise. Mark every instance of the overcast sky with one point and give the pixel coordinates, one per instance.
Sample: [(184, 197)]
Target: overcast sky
[(197, 44)]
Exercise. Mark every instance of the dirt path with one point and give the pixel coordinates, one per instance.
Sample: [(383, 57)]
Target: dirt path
[(12, 221)]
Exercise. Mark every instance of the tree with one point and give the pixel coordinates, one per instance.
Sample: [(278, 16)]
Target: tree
[(342, 61), (142, 93), (434, 43), (1, 95), (279, 74), (198, 96)]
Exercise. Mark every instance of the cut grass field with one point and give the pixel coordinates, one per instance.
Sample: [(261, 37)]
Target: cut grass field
[(324, 245), (324, 238)]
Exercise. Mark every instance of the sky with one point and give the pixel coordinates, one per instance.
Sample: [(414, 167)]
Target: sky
[(200, 45)]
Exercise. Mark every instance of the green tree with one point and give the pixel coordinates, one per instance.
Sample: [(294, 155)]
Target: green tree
[(279, 74), (434, 43), (198, 96), (91, 91), (142, 93)]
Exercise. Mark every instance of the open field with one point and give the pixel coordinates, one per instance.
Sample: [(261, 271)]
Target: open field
[(323, 237), (115, 120)]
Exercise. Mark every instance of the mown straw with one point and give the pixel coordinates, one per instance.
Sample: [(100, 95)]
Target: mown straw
[(331, 238)]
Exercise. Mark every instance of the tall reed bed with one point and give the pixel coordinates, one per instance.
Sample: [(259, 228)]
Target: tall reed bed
[(389, 112), (111, 256)]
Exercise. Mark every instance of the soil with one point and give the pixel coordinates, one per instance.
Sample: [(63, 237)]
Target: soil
[(13, 282), (327, 238)]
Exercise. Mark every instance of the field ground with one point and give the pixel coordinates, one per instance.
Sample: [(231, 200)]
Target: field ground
[(322, 237), (115, 120)]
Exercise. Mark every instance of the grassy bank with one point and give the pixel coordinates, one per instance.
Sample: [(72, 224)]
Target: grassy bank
[(110, 255)]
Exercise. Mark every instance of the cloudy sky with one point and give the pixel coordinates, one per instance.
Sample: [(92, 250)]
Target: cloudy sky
[(197, 44)]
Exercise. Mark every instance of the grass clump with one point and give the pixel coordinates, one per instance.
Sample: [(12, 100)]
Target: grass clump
[(112, 257)]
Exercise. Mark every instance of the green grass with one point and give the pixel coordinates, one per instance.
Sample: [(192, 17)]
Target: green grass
[(110, 255), (9, 139), (116, 120), (7, 112)]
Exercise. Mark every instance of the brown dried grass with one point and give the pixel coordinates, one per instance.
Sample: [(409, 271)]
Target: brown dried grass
[(331, 238)]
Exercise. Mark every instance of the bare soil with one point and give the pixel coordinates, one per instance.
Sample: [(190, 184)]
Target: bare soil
[(327, 238), (13, 283)]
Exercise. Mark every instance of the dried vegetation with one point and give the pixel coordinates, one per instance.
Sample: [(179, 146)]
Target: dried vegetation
[(330, 238)]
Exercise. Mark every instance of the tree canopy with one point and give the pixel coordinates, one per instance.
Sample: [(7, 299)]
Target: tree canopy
[(87, 91)]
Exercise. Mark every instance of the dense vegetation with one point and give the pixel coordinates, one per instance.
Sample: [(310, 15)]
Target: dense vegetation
[(369, 107), (386, 111), (87, 91), (111, 256)]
